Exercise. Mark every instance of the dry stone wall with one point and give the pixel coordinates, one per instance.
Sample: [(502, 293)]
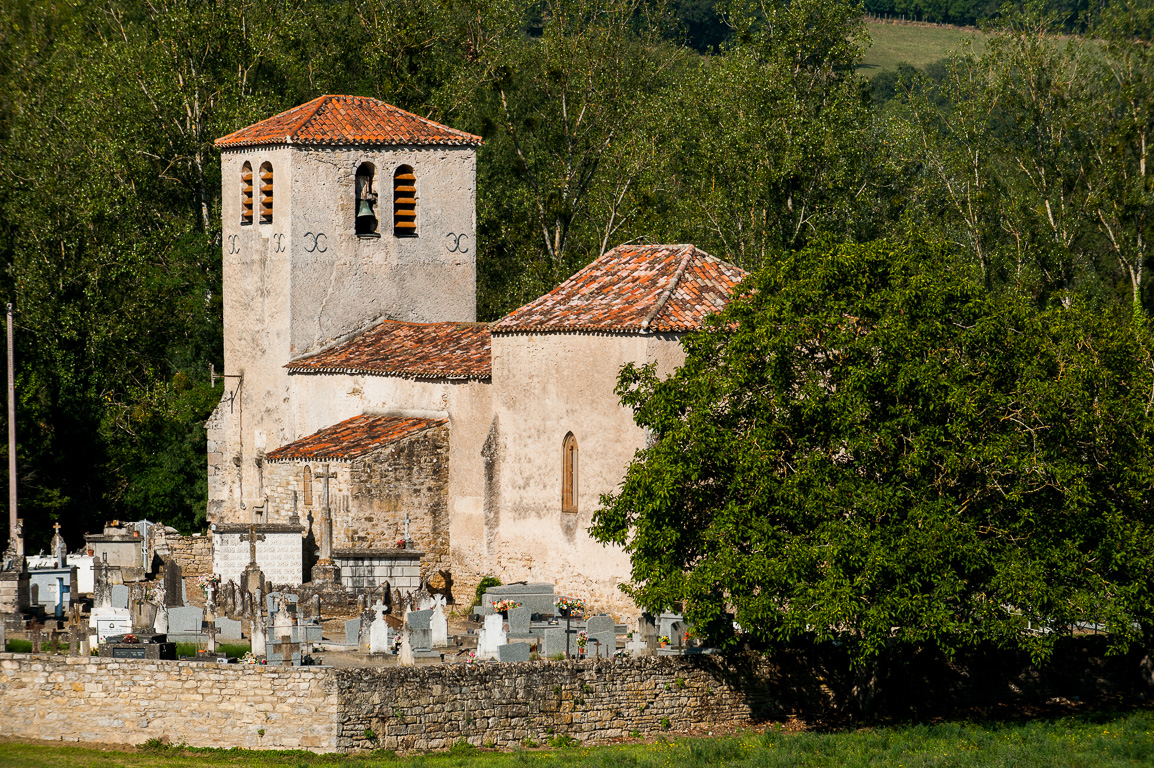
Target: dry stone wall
[(192, 553), (434, 707), (128, 702)]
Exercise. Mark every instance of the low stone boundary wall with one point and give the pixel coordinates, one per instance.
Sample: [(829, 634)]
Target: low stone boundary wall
[(76, 698), (434, 707)]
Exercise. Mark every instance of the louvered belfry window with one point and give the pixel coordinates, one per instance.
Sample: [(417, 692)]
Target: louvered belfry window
[(404, 202), (569, 474), (246, 193), (307, 482), (266, 193)]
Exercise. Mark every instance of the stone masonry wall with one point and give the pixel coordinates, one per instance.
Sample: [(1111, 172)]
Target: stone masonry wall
[(128, 702), (434, 707), (192, 553)]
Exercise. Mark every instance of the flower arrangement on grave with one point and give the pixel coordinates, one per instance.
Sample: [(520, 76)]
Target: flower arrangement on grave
[(504, 606), (155, 595), (570, 606), (249, 658), (206, 581), (664, 639), (130, 639), (582, 639), (400, 543)]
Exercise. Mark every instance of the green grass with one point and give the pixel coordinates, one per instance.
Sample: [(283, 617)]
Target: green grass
[(913, 44), (234, 650), (1100, 741)]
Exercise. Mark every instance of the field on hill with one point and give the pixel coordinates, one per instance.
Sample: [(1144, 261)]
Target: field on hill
[(917, 44), (1103, 740)]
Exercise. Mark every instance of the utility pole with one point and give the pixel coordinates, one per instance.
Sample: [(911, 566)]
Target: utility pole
[(11, 432)]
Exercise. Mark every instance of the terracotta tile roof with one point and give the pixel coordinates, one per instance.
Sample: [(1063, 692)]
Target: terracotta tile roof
[(352, 438), (343, 120), (632, 288), (410, 350)]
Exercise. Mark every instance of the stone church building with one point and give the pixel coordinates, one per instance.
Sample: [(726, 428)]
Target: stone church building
[(356, 374)]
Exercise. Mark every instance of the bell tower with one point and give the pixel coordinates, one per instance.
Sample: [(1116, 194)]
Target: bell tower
[(336, 214)]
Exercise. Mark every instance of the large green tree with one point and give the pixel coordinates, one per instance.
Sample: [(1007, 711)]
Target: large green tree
[(868, 446)]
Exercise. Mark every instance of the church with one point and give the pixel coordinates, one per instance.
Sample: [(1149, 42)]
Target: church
[(370, 428)]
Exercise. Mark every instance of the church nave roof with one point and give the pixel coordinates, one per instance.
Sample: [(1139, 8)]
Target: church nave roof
[(409, 350)]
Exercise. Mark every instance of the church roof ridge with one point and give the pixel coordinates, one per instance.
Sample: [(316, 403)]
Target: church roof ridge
[(668, 288), (336, 120)]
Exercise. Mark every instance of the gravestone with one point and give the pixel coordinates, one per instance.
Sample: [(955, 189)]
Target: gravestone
[(420, 634), (185, 619), (258, 635), (228, 629), (367, 617), (538, 598), (379, 631), (119, 596), (352, 631), (406, 651), (602, 634), (439, 626), (283, 651), (635, 646), (513, 652), (109, 622), (519, 620), (313, 608), (552, 642), (491, 637), (674, 626), (160, 625)]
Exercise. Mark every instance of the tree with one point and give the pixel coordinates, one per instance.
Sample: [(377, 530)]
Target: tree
[(868, 446)]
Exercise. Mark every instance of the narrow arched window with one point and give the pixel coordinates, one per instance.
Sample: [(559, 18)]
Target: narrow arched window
[(246, 193), (569, 474), (266, 193), (404, 202), (366, 214), (307, 483)]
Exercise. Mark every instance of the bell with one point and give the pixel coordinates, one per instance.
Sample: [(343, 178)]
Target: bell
[(365, 209)]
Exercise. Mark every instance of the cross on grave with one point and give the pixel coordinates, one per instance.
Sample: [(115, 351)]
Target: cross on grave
[(209, 630), (326, 542), (284, 649)]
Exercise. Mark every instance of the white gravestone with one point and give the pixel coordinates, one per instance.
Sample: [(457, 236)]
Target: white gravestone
[(258, 638), (160, 625), (439, 625), (379, 631), (406, 651), (491, 637), (283, 624)]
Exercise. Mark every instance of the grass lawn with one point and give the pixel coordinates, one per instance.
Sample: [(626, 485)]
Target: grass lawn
[(1098, 740), (914, 44)]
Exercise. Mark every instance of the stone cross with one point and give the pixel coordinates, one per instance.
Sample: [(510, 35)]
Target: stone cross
[(209, 629), (406, 530), (295, 518), (252, 544), (326, 543)]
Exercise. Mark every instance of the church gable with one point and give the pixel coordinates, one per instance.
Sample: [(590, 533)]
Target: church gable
[(409, 350), (632, 288)]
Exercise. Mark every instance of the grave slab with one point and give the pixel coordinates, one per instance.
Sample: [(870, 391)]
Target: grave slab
[(602, 634), (513, 652)]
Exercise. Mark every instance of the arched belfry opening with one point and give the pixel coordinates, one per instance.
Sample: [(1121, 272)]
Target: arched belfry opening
[(266, 193), (366, 213), (307, 485), (404, 202), (246, 193), (569, 474)]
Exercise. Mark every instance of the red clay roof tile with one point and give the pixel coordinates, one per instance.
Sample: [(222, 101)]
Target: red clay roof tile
[(344, 120), (410, 350), (632, 288), (352, 438)]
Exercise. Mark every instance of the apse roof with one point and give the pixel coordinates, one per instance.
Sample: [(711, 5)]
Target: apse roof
[(346, 120), (632, 288)]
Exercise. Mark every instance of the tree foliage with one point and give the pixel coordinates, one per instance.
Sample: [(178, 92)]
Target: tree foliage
[(869, 446)]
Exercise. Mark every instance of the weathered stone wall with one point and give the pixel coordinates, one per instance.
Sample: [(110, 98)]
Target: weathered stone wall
[(192, 553), (434, 707), (409, 477), (128, 702)]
